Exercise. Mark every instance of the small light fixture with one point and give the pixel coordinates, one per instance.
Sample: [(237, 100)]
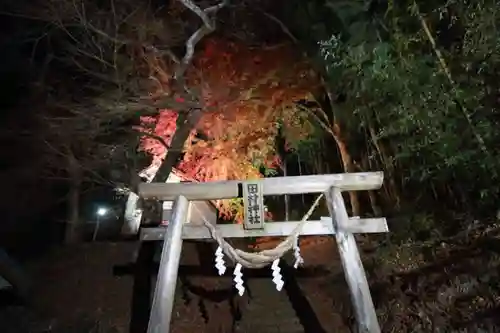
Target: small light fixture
[(101, 211)]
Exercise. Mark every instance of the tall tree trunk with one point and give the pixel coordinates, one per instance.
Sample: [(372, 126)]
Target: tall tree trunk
[(333, 127), (160, 171), (186, 122), (72, 232), (392, 189), (287, 197), (300, 174), (365, 163), (348, 167), (281, 149)]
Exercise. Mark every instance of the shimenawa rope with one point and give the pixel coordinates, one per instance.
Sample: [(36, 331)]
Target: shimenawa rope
[(265, 257)]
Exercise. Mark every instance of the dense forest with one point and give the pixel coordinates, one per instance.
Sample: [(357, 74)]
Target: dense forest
[(113, 92)]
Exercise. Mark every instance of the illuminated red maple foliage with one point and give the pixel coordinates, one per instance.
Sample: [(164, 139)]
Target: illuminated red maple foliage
[(162, 126), (246, 92)]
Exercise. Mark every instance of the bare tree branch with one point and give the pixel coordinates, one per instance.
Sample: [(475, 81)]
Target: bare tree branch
[(158, 138), (282, 25), (186, 122), (207, 27)]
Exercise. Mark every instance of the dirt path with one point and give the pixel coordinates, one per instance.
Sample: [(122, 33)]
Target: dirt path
[(452, 286), (206, 303), (76, 291)]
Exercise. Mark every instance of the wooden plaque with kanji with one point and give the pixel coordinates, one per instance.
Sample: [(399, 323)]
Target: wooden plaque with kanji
[(253, 201)]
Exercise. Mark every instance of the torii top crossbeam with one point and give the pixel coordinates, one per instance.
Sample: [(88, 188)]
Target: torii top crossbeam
[(271, 186)]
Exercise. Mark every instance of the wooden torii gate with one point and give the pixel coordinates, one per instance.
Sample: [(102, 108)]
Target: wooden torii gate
[(338, 224)]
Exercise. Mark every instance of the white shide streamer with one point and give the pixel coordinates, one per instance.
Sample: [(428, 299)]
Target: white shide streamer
[(219, 261)]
